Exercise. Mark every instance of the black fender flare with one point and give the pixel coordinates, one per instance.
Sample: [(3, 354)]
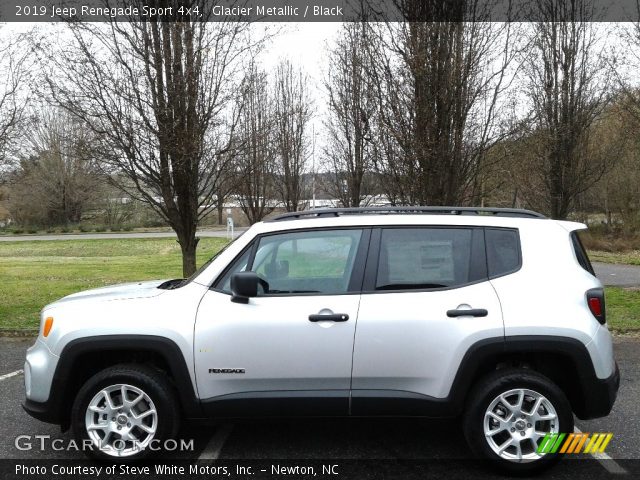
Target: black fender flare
[(594, 397), (53, 410)]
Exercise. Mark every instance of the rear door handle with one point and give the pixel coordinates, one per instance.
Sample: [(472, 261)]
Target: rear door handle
[(336, 317), (472, 312)]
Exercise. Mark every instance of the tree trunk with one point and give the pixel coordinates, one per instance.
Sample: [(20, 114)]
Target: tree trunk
[(188, 246), (220, 208)]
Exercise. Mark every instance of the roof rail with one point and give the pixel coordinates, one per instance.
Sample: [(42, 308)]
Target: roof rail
[(337, 212)]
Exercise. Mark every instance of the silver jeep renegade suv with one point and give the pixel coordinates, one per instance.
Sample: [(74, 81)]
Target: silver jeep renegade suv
[(494, 315)]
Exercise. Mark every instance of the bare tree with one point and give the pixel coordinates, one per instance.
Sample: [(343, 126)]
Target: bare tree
[(254, 145), (440, 86), (352, 106), (158, 95), (13, 73), (629, 34), (617, 193), (568, 90), (227, 180), (58, 179), (292, 109)]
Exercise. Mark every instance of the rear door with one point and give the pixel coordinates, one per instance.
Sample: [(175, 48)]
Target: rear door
[(426, 300)]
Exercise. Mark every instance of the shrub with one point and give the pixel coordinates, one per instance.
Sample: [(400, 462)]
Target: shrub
[(610, 242)]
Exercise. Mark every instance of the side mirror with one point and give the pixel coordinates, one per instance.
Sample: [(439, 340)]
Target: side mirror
[(244, 285)]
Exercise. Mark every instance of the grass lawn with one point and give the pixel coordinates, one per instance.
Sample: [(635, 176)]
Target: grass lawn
[(631, 257), (623, 309), (35, 273)]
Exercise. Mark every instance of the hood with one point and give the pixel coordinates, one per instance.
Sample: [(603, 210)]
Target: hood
[(116, 292)]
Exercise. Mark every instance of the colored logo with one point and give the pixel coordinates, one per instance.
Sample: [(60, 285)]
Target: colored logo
[(574, 443)]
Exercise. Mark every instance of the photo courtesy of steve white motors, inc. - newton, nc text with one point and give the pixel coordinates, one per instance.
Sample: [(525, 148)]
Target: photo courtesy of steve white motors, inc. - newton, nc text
[(333, 239)]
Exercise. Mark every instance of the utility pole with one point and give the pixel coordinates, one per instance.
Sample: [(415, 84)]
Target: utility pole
[(313, 166)]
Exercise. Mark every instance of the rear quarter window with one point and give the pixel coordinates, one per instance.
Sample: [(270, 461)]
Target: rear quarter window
[(503, 251), (581, 253)]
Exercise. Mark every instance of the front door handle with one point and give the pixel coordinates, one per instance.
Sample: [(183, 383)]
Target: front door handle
[(472, 312), (335, 317)]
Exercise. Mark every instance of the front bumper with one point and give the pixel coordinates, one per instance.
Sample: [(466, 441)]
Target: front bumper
[(41, 401), (39, 370), (44, 411), (599, 396)]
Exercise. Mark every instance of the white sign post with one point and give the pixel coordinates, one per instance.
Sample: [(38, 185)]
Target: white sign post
[(229, 226)]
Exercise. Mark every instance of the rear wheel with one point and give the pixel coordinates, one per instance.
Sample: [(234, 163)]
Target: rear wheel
[(124, 411), (509, 413)]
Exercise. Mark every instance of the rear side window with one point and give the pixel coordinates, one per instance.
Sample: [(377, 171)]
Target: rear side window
[(503, 251), (581, 253), (422, 258)]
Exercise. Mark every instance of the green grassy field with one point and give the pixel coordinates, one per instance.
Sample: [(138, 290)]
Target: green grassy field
[(35, 273), (623, 309), (631, 257)]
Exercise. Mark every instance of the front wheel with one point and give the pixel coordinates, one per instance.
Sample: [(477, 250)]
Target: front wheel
[(124, 412), (509, 413)]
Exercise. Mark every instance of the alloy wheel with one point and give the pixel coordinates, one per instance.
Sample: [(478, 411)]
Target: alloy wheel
[(516, 422), (121, 420)]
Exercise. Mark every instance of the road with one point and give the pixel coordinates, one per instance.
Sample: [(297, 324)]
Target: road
[(617, 274), (368, 448), (112, 235)]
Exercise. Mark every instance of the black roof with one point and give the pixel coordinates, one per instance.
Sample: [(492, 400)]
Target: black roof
[(337, 212)]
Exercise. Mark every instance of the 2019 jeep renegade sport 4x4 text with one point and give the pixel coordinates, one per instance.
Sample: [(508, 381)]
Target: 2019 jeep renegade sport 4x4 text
[(492, 314)]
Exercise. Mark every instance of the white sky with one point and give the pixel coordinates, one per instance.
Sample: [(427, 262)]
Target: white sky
[(304, 44)]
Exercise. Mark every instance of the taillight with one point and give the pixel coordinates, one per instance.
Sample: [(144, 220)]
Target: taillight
[(595, 301)]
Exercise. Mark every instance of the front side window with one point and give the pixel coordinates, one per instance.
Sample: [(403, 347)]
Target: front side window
[(319, 261), (239, 265), (307, 262), (423, 258)]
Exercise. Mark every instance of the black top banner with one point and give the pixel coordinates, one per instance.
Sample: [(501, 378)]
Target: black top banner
[(319, 10)]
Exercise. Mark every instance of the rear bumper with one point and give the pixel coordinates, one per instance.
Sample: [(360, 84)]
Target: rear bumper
[(599, 396)]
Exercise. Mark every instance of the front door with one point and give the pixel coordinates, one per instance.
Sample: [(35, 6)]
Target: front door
[(289, 350)]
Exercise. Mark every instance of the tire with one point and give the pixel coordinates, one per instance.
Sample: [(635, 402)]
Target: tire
[(128, 428), (508, 427)]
